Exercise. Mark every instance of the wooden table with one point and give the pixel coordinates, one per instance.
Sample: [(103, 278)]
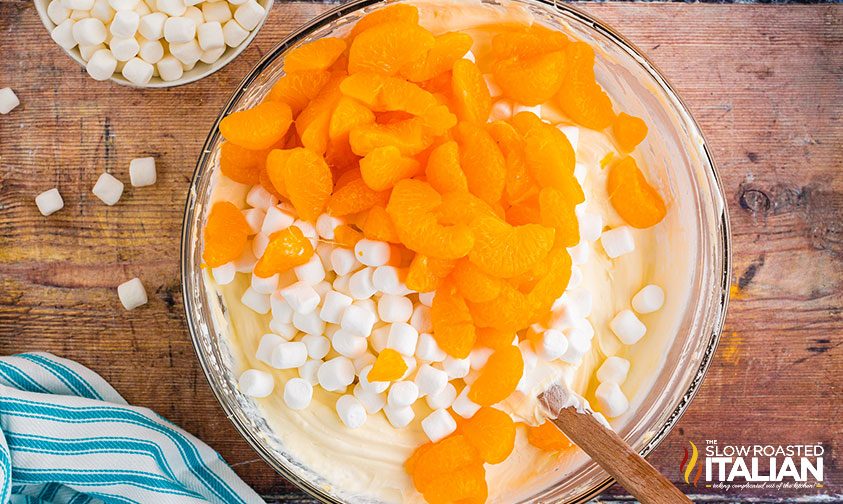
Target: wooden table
[(765, 82)]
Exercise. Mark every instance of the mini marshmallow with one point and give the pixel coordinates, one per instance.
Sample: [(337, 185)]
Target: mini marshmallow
[(132, 294), (494, 89), (360, 284), (62, 34), (399, 417), (376, 387), (257, 302), (193, 13), (501, 110), (386, 279), (627, 327), (210, 36), (443, 399), (428, 350), (456, 368), (438, 425), (648, 299), (249, 15), (429, 380), (259, 244), (187, 52), (108, 189), (312, 272), (402, 393), (323, 250), (363, 361), (57, 12), (216, 11), (590, 225), (463, 406), (308, 231), (348, 344), (264, 285), (611, 400), (124, 49), (579, 343), (179, 29), (78, 5), (576, 278), (275, 220), (142, 9), (125, 24), (309, 371), (151, 26), (298, 393), (267, 344), (142, 171), (336, 374), (411, 363), (87, 51), (379, 337), (123, 4), (288, 355), (358, 320), (395, 308), (171, 7), (334, 306), (234, 33), (151, 51), (613, 370), (169, 69), (340, 284), (618, 241), (246, 262), (426, 298), (402, 338), (89, 32), (256, 383), (572, 133), (224, 275), (102, 11), (372, 401), (284, 329), (301, 297), (478, 357), (580, 253), (212, 55), (309, 323), (317, 346), (551, 345), (421, 319), (343, 261), (49, 202), (325, 226), (371, 252)]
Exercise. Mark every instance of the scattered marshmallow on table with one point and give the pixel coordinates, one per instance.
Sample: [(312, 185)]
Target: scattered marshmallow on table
[(438, 425), (108, 189), (648, 299), (611, 400), (627, 327), (256, 383), (49, 202), (618, 241), (613, 370), (298, 393), (142, 171), (132, 294)]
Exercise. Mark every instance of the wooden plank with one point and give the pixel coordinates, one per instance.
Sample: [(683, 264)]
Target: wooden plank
[(766, 84)]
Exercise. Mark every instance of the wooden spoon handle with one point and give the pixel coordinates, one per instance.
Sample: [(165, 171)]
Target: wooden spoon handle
[(629, 468)]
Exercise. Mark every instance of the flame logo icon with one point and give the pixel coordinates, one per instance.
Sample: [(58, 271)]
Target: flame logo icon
[(689, 468)]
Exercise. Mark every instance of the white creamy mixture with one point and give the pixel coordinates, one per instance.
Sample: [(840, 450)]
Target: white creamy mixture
[(368, 461)]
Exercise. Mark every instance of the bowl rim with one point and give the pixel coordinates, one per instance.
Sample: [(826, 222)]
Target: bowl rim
[(564, 9), (157, 82)]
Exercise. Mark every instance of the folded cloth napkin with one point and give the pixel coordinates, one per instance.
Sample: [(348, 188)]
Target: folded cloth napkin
[(67, 437)]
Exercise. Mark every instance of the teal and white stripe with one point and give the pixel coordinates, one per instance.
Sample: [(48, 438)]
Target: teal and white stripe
[(67, 437)]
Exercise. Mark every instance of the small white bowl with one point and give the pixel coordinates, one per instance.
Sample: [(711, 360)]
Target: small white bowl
[(199, 71)]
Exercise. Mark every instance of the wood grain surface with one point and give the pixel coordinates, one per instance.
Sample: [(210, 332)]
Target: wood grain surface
[(765, 83)]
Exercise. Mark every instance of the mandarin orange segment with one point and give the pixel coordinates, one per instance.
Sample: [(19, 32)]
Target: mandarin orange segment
[(347, 236), (492, 433), (510, 311), (378, 226), (443, 169), (490, 337), (482, 162), (473, 284), (442, 458), (531, 41), (287, 249), (526, 212), (635, 200), (355, 196), (389, 366), (629, 131), (308, 181), (391, 13), (557, 212), (385, 166), (384, 93), (276, 162), (447, 48), (504, 250), (298, 88), (241, 165), (387, 47), (313, 122), (348, 114), (499, 377), (268, 185), (226, 233), (551, 282), (316, 55), (460, 207), (547, 437), (470, 93), (453, 328), (410, 136), (531, 81), (259, 127), (426, 273), (550, 157), (464, 485), (581, 98)]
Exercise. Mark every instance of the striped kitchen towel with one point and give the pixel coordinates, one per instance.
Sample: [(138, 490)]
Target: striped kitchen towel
[(67, 437)]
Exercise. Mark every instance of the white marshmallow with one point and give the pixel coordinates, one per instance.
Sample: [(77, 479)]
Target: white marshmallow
[(312, 272), (108, 189), (298, 393), (611, 400), (363, 361), (478, 357), (266, 346), (343, 261), (395, 308), (627, 327), (317, 346), (591, 226), (187, 52), (151, 26), (334, 306), (360, 284), (426, 298), (210, 36), (580, 253), (399, 417), (309, 323), (212, 55), (264, 285), (169, 69), (132, 294), (443, 399), (402, 393), (613, 370), (301, 297), (438, 425), (421, 319), (551, 345), (171, 7), (372, 401), (412, 364), (124, 49), (57, 12), (456, 368), (576, 278), (573, 134), (284, 329), (579, 343), (255, 301), (78, 5), (194, 13), (142, 171), (275, 220), (49, 202), (387, 279), (309, 371), (123, 4), (142, 9), (249, 15), (125, 24), (371, 252), (429, 380), (246, 262), (87, 51), (256, 383), (463, 406), (288, 355), (308, 231), (618, 241), (216, 11), (402, 338), (348, 344), (358, 320), (375, 387), (89, 32), (138, 71), (501, 110), (648, 299), (325, 226), (336, 374), (428, 350), (102, 11), (62, 34), (224, 275), (179, 29), (323, 250), (151, 51), (234, 33)]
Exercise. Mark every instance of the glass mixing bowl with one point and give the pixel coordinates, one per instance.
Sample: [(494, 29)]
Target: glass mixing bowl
[(675, 141)]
